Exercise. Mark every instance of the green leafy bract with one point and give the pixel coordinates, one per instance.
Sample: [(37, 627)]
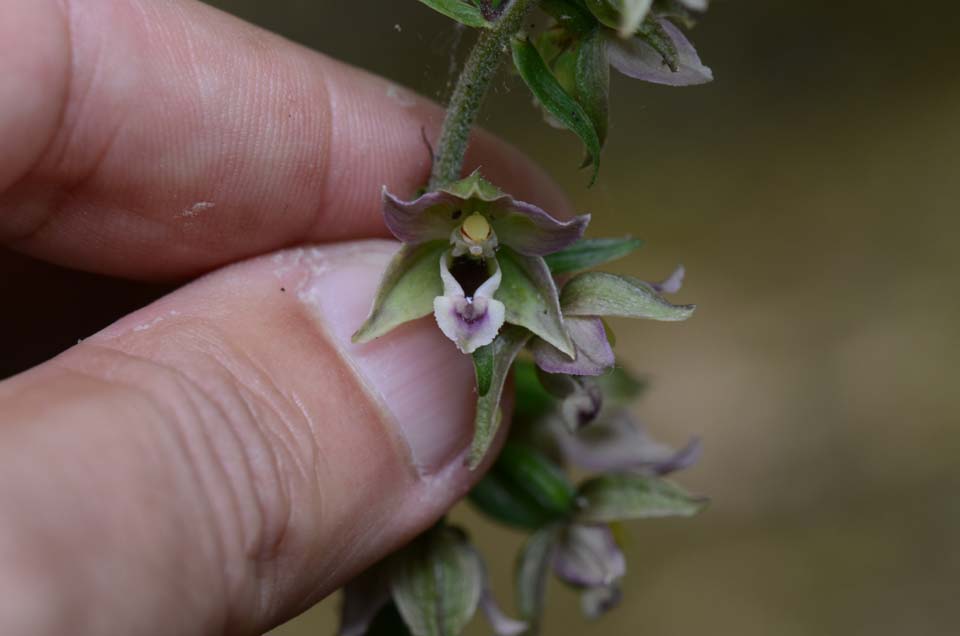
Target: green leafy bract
[(489, 414), (603, 294), (621, 497), (555, 100), (587, 253), (407, 290), (463, 12), (592, 80), (483, 367), (524, 488)]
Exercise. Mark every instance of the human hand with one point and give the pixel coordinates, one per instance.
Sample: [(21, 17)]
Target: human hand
[(224, 458)]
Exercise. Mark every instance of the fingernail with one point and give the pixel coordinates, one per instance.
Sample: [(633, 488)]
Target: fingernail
[(421, 379)]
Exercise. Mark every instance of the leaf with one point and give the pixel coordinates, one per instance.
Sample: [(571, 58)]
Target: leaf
[(437, 582), (555, 100), (524, 488), (463, 12), (407, 289), (587, 253), (529, 294), (494, 496), (530, 574), (603, 294), (483, 367), (532, 475), (505, 348), (621, 497), (592, 81)]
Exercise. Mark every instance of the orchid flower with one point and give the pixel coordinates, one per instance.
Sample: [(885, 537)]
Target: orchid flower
[(473, 256)]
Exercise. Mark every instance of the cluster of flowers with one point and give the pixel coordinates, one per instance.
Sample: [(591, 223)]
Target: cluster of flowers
[(500, 275), (514, 287)]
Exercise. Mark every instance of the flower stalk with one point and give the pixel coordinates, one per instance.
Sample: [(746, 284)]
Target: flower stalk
[(472, 86)]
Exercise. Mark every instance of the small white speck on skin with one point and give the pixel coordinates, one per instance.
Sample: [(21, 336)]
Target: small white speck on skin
[(402, 97), (147, 325), (196, 209)]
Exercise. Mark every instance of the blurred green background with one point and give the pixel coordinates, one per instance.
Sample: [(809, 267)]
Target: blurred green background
[(813, 192)]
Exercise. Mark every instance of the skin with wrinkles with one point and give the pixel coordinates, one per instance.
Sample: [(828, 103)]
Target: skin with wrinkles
[(219, 460)]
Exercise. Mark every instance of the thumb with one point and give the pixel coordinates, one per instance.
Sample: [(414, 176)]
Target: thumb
[(224, 458)]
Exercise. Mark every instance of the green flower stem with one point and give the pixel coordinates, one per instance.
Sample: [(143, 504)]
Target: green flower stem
[(471, 88)]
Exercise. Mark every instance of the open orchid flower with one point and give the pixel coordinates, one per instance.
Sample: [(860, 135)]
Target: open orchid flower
[(487, 265)]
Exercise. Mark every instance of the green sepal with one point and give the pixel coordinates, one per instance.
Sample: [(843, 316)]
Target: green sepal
[(463, 12), (587, 253), (473, 186), (407, 289), (530, 296), (483, 368), (436, 582), (656, 36), (603, 294), (621, 497), (524, 489), (555, 100), (505, 348)]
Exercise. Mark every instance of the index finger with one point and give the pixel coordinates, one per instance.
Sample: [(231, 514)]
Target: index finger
[(159, 140)]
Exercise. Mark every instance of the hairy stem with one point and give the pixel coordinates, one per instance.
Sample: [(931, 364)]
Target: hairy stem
[(471, 88)]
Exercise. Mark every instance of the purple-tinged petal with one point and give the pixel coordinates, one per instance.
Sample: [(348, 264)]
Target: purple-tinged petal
[(597, 601), (501, 624), (673, 283), (532, 231), (363, 598), (435, 215), (429, 217), (617, 443), (593, 356), (635, 58), (588, 556), (470, 322), (681, 460)]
